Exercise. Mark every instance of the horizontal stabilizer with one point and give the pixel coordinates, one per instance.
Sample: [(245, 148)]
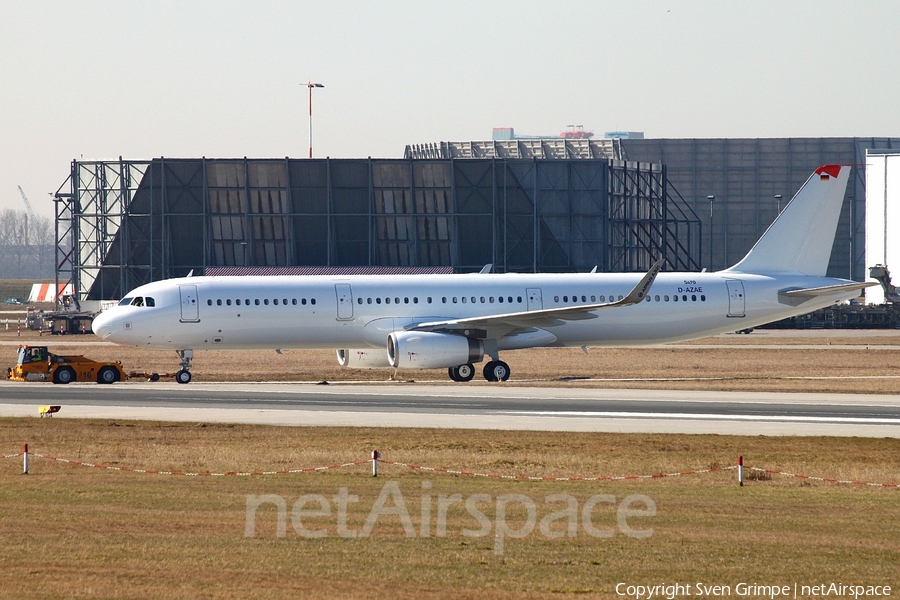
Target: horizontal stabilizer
[(827, 290), (798, 296)]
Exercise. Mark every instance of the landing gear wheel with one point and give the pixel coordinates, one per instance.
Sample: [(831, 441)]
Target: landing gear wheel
[(184, 375), (107, 375), (465, 372), (496, 370), (64, 375), (453, 372)]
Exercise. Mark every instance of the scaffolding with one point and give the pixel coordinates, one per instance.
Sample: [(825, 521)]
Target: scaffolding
[(121, 224)]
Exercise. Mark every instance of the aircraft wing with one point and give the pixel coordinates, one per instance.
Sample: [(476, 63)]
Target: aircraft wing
[(827, 290), (496, 326)]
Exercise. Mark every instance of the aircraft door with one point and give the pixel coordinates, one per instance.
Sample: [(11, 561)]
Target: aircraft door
[(344, 301), (535, 301), (190, 305), (736, 300)]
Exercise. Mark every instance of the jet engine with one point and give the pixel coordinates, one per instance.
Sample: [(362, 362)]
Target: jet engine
[(427, 350), (365, 358)]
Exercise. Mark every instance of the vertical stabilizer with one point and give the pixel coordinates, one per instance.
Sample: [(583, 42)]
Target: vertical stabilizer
[(800, 239)]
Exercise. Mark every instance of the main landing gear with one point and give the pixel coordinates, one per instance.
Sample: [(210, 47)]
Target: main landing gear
[(462, 373), (495, 370), (184, 375)]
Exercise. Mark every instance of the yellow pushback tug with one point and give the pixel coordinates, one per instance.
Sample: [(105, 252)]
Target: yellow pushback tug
[(36, 363)]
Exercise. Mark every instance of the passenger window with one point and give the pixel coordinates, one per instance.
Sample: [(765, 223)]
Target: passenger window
[(303, 301), (693, 298), (209, 302), (294, 301), (656, 298), (284, 301), (666, 297), (674, 298), (313, 301), (266, 301), (219, 301), (405, 300), (415, 299), (464, 299), (454, 299), (275, 301), (500, 298), (519, 298), (228, 302), (377, 300), (593, 298), (247, 301), (509, 299), (256, 301), (238, 301), (702, 298), (396, 300), (473, 299), (368, 301), (492, 299), (684, 298)]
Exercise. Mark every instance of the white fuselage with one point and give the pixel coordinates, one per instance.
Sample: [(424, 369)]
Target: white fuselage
[(362, 310)]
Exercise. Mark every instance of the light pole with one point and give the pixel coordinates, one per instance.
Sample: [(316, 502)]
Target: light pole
[(711, 200), (311, 85), (778, 203)]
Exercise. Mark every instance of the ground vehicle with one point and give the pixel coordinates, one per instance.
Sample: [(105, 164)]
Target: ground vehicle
[(36, 363)]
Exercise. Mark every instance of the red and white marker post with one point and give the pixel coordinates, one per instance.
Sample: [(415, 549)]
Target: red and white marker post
[(25, 461), (741, 471), (375, 456)]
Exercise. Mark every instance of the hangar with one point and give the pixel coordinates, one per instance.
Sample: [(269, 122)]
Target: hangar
[(522, 205), (125, 223)]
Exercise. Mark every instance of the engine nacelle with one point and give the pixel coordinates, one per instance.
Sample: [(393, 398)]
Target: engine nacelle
[(364, 358), (427, 350)]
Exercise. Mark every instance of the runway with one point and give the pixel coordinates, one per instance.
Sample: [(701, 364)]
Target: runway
[(473, 406)]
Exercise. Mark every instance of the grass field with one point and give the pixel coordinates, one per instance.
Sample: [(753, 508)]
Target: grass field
[(763, 361), (72, 531)]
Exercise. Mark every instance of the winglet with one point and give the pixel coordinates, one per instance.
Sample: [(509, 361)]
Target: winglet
[(639, 293), (486, 269)]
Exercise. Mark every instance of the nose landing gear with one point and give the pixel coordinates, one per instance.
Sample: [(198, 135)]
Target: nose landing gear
[(184, 375)]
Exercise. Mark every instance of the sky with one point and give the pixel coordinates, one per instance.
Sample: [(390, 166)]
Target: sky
[(142, 79)]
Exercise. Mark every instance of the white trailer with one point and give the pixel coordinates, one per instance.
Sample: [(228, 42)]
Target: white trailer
[(882, 217)]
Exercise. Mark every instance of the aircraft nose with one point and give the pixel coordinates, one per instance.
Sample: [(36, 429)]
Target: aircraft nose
[(104, 325)]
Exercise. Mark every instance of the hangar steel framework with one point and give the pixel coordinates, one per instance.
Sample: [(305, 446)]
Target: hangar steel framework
[(124, 223)]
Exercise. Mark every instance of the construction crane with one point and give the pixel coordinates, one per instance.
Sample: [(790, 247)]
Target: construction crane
[(30, 213)]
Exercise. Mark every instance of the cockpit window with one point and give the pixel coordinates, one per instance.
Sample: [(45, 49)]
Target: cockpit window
[(139, 301), (125, 301), (150, 301)]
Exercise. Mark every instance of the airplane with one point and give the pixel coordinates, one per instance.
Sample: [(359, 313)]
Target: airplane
[(453, 321)]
